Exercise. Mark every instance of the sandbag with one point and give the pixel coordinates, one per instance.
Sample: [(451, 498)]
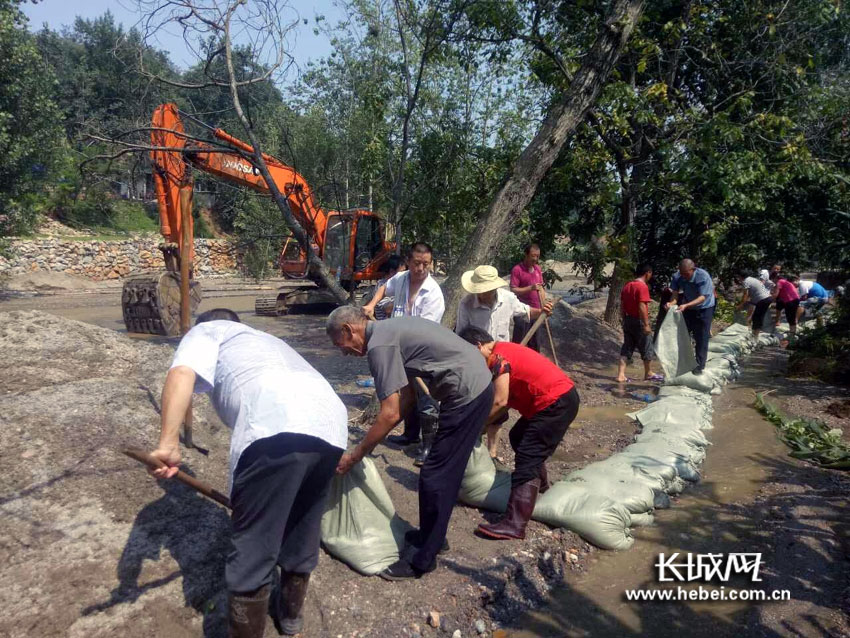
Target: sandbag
[(360, 526), (681, 412), (673, 346), (702, 382), (483, 485), (620, 482), (594, 517)]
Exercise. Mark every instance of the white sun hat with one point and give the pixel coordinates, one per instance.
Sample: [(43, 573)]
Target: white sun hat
[(482, 279)]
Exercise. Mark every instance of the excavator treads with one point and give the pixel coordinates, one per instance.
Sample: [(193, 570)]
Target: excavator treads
[(151, 303)]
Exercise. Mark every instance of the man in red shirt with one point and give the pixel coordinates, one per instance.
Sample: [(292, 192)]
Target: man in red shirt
[(637, 331), (527, 285), (547, 401)]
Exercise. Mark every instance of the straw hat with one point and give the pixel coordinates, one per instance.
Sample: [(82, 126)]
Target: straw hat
[(482, 279)]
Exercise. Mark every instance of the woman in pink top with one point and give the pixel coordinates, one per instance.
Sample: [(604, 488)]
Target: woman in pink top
[(788, 299)]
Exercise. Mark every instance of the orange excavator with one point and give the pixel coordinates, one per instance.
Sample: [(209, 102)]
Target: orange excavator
[(353, 244)]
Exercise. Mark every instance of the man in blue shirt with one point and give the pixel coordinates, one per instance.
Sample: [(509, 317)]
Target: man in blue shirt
[(693, 290), (812, 294)]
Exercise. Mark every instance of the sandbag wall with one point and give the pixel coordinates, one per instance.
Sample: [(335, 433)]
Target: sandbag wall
[(603, 501)]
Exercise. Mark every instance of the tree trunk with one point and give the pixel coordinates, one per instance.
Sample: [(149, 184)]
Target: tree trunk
[(538, 157), (613, 312), (314, 265)]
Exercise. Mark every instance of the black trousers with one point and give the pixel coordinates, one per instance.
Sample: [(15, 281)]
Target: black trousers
[(759, 313), (521, 326), (440, 477), (280, 489), (698, 322), (635, 337), (534, 440)]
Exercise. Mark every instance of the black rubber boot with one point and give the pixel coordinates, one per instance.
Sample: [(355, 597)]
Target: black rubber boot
[(286, 607), (429, 433), (247, 613)]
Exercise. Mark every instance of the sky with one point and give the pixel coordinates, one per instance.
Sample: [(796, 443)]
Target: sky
[(305, 45)]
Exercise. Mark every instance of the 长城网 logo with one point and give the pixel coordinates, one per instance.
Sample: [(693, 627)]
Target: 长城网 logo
[(679, 567)]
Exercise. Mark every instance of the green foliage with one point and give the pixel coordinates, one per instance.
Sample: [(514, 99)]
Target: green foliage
[(29, 121), (825, 349), (809, 439), (722, 138), (725, 311), (262, 233)]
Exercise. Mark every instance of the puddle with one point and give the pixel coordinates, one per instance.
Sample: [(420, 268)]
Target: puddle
[(593, 603)]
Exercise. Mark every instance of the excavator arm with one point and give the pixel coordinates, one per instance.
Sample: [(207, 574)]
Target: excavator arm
[(172, 173)]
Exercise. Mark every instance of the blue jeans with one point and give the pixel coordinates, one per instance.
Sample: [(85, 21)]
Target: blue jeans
[(698, 321)]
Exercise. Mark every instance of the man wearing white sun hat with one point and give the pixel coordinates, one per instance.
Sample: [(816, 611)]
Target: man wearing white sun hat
[(492, 308)]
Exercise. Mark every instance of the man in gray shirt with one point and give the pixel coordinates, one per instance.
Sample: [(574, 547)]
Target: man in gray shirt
[(456, 375)]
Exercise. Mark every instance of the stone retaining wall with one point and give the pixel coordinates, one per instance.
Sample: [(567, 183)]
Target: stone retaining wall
[(98, 260)]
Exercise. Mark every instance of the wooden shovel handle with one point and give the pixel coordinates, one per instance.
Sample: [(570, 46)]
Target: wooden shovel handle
[(154, 463)]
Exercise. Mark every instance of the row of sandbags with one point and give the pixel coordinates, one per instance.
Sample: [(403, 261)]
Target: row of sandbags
[(602, 501)]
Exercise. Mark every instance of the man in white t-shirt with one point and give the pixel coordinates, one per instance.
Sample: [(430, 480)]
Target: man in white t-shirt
[(289, 432), (758, 299), (415, 293)]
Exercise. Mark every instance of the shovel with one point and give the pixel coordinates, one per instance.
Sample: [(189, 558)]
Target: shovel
[(199, 486), (548, 330)]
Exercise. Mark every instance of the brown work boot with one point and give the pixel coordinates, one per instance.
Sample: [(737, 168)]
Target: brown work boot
[(520, 507), (247, 615), (286, 606), (544, 478)]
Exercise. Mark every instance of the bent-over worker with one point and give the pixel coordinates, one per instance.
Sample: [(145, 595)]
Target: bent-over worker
[(757, 295), (492, 308), (547, 401), (398, 350), (289, 432), (787, 299)]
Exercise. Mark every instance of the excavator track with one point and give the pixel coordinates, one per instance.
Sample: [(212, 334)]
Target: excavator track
[(151, 303), (270, 306)]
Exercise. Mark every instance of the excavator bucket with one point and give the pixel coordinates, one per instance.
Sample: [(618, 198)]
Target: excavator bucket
[(151, 303)]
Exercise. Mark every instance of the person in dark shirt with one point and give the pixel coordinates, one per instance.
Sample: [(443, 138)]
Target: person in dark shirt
[(547, 401), (402, 352)]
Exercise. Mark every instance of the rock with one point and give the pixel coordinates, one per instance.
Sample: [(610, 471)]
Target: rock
[(456, 633), (434, 618), (480, 626)]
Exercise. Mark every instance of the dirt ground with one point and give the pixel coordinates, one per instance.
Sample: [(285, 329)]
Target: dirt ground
[(90, 545)]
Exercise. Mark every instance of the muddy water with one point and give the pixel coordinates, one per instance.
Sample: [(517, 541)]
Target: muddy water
[(104, 309), (593, 604)]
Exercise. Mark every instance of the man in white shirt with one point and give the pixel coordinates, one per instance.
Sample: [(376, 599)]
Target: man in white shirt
[(492, 308), (415, 294), (289, 432)]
